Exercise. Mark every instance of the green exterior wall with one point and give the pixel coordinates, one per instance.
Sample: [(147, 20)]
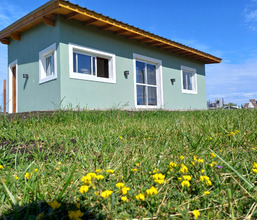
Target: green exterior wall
[(90, 94)]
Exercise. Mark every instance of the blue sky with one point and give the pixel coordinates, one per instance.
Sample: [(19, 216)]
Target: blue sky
[(223, 28)]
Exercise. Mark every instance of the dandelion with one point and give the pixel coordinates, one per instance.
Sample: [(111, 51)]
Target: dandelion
[(84, 189), (255, 170), (109, 171), (16, 177), (99, 177), (54, 204), (120, 185), (236, 131), (98, 170), (185, 183), (59, 163), (1, 167), (120, 137), (155, 170), (196, 213), (134, 170), (180, 178), (27, 176), (96, 193), (15, 122), (158, 178), (124, 199), (182, 157), (195, 158), (87, 180), (125, 190), (210, 138), (202, 170), (187, 177), (140, 197), (213, 155), (206, 193), (75, 215), (183, 168), (200, 160), (172, 164), (36, 170), (105, 194), (151, 191), (193, 163), (137, 164)]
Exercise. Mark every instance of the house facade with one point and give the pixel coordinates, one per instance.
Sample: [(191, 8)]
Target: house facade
[(251, 105), (62, 55)]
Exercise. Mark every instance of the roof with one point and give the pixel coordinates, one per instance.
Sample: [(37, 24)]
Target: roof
[(48, 11)]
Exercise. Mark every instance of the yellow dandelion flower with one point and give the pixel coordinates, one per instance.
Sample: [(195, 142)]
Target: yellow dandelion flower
[(59, 163), (151, 191), (180, 178), (255, 165), (134, 170), (75, 215), (36, 170), (172, 164), (84, 189), (212, 165), (158, 178), (27, 176), (255, 170), (109, 171), (99, 177), (54, 204), (1, 167), (16, 177), (195, 158), (137, 164), (98, 170), (140, 197), (96, 193), (185, 183), (236, 131), (202, 170), (183, 168), (200, 160), (125, 190), (206, 193), (124, 199), (182, 157), (193, 163), (120, 185), (213, 155), (120, 137), (155, 170), (196, 213), (187, 177), (210, 138), (105, 194)]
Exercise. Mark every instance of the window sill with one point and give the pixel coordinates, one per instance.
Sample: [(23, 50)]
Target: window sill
[(189, 92), (47, 79), (91, 78)]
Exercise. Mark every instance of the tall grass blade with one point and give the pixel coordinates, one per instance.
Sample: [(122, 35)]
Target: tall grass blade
[(14, 201), (251, 186), (68, 180)]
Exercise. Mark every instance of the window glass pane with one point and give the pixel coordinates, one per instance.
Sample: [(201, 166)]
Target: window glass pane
[(84, 64), (140, 66), (49, 65), (75, 62), (93, 60), (141, 95), (151, 74), (190, 77), (184, 80), (152, 96), (102, 67)]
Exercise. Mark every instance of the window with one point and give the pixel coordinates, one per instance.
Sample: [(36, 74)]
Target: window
[(47, 64), (90, 64), (147, 82), (189, 84)]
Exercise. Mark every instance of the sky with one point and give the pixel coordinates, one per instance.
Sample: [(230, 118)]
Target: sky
[(224, 28)]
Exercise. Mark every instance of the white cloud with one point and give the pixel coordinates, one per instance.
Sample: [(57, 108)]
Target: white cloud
[(235, 82)]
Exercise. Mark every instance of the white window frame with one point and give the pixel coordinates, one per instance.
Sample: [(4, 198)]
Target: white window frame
[(42, 64), (94, 53), (10, 90), (194, 80), (159, 85)]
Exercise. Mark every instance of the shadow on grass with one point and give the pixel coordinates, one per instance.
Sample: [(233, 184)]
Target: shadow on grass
[(42, 211)]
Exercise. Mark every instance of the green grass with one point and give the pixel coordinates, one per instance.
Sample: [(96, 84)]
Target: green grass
[(66, 145)]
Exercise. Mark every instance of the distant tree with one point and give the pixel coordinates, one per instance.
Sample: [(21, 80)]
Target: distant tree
[(231, 104)]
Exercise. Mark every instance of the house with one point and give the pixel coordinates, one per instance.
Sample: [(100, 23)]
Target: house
[(64, 55), (251, 105)]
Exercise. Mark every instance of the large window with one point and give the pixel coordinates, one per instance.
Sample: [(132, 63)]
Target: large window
[(148, 82), (89, 64), (47, 64), (189, 82)]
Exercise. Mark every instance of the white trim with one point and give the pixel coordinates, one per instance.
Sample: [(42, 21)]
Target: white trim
[(42, 66), (159, 85), (194, 80), (10, 90), (92, 52)]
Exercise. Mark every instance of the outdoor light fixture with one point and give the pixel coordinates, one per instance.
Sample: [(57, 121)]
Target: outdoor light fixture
[(126, 73), (172, 81), (26, 76)]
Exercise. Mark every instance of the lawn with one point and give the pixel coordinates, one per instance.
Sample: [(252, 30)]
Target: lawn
[(122, 165)]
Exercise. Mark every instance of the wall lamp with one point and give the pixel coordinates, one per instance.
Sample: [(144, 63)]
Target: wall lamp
[(126, 73), (172, 81), (26, 76)]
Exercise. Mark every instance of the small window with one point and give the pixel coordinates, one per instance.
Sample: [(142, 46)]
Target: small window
[(188, 80), (89, 64), (47, 64)]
